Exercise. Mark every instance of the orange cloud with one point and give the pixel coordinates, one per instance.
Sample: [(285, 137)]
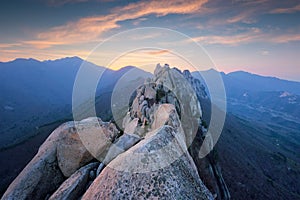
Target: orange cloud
[(158, 52), (162, 8), (253, 35), (235, 11), (84, 30), (245, 17), (9, 45), (9, 51), (91, 28), (42, 44), (242, 38), (294, 9), (284, 38)]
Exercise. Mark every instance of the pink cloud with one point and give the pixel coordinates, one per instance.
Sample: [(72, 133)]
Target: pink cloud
[(293, 9), (42, 44), (9, 45), (91, 28), (250, 36), (284, 38), (247, 37), (158, 52)]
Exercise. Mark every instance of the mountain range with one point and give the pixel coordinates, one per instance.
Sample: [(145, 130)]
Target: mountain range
[(259, 145), (261, 129), (259, 98), (34, 93)]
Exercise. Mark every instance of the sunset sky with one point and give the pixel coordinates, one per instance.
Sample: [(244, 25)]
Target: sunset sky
[(260, 36)]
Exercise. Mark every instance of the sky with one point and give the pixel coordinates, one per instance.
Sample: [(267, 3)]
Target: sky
[(261, 36)]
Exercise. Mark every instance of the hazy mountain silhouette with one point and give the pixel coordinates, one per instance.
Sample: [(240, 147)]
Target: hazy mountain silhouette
[(241, 81), (258, 97), (255, 82), (34, 93), (258, 147), (259, 144)]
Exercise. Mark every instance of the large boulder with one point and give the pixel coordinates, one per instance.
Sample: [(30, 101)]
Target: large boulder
[(88, 139), (150, 92), (75, 185), (166, 115), (97, 136), (71, 153), (158, 167), (42, 175), (131, 126), (68, 148)]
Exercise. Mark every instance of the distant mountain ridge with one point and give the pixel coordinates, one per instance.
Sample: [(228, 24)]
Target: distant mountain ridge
[(263, 129), (41, 92), (36, 96), (256, 97), (260, 138), (248, 81), (245, 81)]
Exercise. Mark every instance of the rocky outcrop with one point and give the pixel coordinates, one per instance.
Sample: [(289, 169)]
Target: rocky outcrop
[(195, 83), (59, 157), (70, 152), (143, 172), (97, 136), (159, 166), (173, 88), (166, 115), (155, 157)]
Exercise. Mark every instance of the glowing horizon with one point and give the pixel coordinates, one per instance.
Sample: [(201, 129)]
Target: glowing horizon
[(260, 37)]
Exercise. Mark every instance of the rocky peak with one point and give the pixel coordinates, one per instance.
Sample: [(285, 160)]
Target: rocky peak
[(155, 156), (168, 86)]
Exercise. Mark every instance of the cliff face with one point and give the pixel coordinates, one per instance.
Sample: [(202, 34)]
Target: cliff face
[(155, 155)]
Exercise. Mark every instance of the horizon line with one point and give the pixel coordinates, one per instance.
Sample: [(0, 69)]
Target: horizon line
[(75, 56)]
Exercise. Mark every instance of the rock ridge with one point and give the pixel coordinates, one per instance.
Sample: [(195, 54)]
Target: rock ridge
[(154, 156)]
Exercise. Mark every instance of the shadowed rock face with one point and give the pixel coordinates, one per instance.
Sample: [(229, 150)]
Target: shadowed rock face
[(153, 159), (31, 182), (122, 144), (209, 169), (40, 177), (75, 185)]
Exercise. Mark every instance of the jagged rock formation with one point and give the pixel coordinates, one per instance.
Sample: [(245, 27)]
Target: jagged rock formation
[(156, 157), (58, 158), (177, 180)]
